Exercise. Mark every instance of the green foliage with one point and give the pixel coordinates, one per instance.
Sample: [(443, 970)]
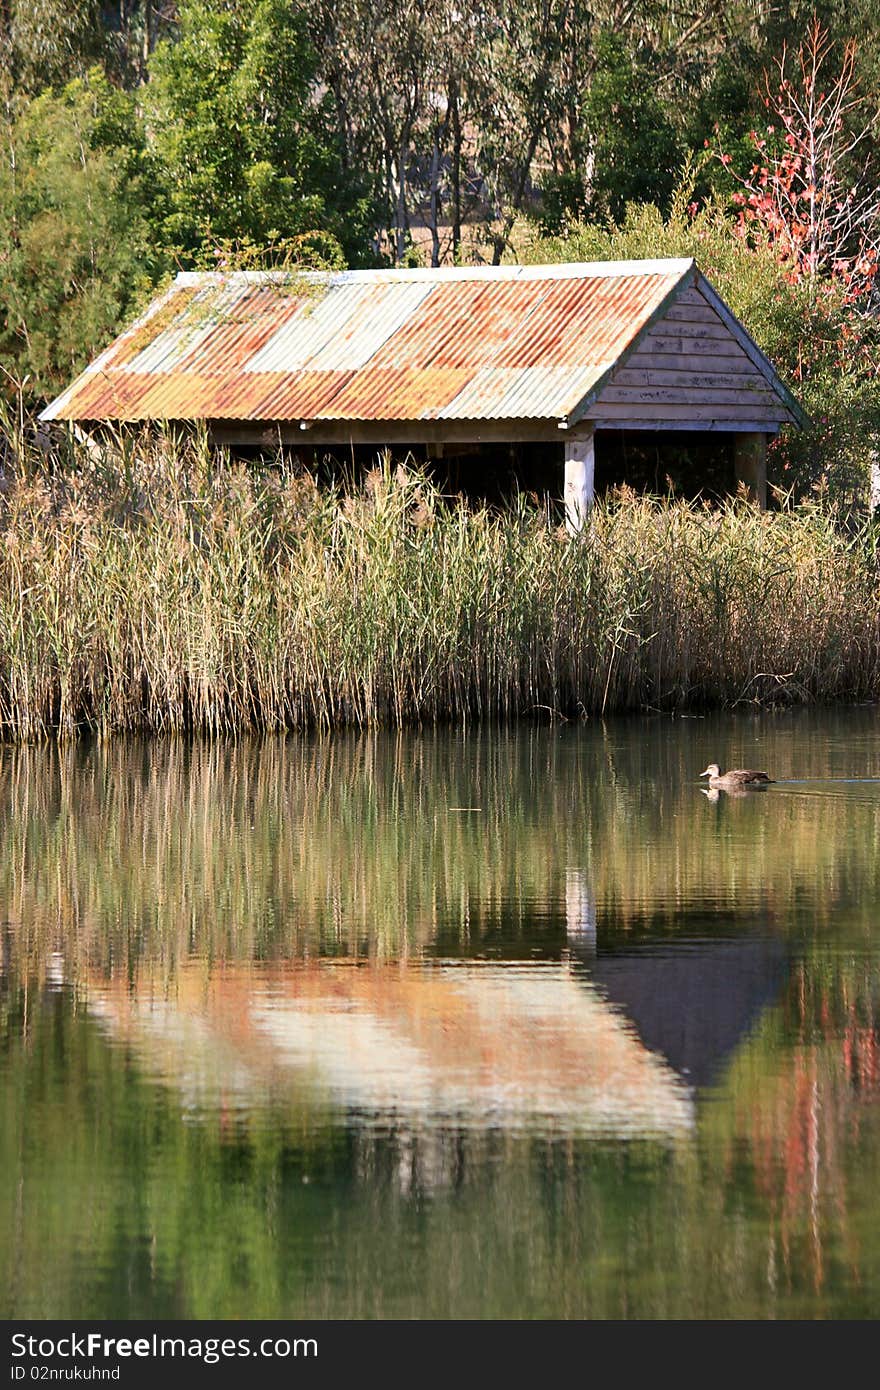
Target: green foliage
[(634, 151), (77, 250), (51, 41), (236, 132), (307, 251)]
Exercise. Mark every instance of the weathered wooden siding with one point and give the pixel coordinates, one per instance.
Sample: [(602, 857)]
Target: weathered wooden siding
[(689, 372)]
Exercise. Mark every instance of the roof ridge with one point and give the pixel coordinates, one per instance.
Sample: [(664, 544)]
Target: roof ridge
[(562, 270)]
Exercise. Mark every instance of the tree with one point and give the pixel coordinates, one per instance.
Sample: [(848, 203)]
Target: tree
[(239, 134), (627, 148), (134, 27), (49, 42), (399, 76), (393, 46), (807, 189), (826, 349), (77, 247)]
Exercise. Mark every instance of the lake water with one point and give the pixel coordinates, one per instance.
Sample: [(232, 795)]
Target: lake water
[(496, 1024)]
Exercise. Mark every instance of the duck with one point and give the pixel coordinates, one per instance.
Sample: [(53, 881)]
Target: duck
[(736, 779)]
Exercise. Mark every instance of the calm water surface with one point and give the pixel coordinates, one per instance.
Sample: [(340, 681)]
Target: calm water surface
[(496, 1025)]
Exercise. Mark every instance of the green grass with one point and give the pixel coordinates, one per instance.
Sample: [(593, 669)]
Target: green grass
[(159, 589)]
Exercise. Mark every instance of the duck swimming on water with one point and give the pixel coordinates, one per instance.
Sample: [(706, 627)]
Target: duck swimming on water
[(736, 778)]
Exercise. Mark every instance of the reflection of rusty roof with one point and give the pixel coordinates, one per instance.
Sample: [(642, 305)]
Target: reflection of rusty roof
[(473, 1045), (503, 342)]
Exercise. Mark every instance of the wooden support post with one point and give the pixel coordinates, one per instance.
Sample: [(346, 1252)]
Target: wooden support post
[(750, 465), (580, 464)]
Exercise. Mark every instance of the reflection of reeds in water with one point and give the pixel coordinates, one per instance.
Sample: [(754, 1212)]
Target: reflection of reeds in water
[(157, 590), (185, 879), (351, 846)]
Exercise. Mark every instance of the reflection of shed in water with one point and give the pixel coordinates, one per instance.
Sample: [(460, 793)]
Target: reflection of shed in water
[(418, 1046), (693, 1000)]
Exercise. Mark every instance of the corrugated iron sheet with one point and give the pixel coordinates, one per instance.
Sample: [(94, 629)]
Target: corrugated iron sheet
[(474, 344)]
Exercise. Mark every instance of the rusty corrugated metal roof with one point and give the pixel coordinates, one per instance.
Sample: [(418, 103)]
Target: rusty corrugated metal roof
[(481, 343)]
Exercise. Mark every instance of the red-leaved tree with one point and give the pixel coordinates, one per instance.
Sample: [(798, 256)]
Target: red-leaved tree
[(805, 191)]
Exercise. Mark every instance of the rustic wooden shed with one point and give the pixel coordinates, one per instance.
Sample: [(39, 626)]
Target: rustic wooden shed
[(441, 358)]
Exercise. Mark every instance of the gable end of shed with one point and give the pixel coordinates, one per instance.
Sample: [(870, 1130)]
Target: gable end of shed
[(694, 368)]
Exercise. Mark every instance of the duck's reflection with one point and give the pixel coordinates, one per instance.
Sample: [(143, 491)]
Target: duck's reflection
[(734, 793)]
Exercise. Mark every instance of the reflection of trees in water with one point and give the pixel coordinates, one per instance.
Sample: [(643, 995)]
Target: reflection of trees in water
[(772, 1208), (769, 1211), (807, 1127), (352, 846), (415, 1163)]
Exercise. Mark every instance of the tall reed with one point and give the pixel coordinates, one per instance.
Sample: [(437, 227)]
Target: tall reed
[(159, 588)]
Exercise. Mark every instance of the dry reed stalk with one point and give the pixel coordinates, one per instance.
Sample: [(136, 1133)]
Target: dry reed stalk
[(160, 589)]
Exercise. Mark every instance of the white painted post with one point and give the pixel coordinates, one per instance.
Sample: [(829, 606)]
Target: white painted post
[(580, 911), (580, 466)]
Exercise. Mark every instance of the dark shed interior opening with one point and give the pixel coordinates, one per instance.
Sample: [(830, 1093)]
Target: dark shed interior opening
[(486, 474), (689, 463)]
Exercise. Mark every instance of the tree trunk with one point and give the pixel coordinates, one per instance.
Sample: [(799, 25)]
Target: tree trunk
[(149, 37), (501, 238), (435, 197), (455, 172), (400, 206)]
